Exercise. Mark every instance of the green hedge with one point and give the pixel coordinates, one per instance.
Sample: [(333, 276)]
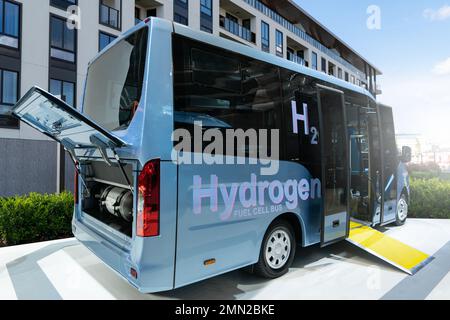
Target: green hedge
[(35, 217), (430, 198)]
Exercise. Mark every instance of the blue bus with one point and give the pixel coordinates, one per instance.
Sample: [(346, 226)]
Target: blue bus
[(162, 223)]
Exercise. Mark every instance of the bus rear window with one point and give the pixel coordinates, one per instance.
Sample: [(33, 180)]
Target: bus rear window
[(115, 81)]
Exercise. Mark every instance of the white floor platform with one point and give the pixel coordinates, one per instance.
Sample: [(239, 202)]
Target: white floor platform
[(66, 270)]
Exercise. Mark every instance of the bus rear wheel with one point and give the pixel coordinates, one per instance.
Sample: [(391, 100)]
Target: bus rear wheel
[(277, 251)]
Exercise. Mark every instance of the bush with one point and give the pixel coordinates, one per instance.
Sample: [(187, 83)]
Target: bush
[(429, 170), (430, 198), (35, 217)]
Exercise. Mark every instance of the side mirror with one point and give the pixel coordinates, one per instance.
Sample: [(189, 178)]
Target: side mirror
[(406, 154)]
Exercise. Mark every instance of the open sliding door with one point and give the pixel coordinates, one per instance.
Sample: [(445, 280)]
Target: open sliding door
[(335, 166)]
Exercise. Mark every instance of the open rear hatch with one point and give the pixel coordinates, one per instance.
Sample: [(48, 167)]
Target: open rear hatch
[(107, 183), (63, 123)]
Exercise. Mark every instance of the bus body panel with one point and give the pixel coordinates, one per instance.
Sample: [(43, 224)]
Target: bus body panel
[(224, 215)]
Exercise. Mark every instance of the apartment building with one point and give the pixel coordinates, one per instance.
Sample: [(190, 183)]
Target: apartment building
[(50, 42)]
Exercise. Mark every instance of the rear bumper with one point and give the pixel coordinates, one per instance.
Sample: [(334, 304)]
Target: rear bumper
[(114, 257), (155, 270)]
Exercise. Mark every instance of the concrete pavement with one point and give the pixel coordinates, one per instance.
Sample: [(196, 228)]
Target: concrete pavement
[(66, 270)]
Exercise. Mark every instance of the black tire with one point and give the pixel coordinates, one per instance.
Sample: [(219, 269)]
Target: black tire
[(402, 205), (263, 268)]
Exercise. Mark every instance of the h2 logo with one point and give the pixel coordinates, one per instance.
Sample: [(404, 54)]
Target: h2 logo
[(297, 118)]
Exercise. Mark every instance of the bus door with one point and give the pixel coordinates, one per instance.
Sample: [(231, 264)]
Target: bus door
[(359, 155), (335, 166), (375, 165), (390, 165)]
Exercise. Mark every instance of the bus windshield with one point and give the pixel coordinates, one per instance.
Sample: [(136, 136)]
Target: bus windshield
[(114, 82)]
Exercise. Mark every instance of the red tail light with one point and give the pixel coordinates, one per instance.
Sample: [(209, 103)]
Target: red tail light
[(75, 189), (148, 208)]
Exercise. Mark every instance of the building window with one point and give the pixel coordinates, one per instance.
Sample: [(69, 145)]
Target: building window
[(152, 12), (353, 79), (9, 94), (339, 73), (206, 29), (206, 21), (9, 24), (279, 43), (206, 7), (63, 4), (265, 36), (180, 19), (324, 65), (314, 61), (62, 40), (346, 76), (181, 11), (104, 40), (110, 13), (63, 90)]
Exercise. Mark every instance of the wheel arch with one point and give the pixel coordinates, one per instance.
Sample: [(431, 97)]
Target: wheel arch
[(406, 192), (297, 225)]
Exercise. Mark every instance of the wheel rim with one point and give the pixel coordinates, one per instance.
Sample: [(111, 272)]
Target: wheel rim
[(278, 249), (402, 210)]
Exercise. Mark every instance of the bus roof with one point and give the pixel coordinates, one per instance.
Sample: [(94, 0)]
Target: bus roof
[(266, 57), (244, 50)]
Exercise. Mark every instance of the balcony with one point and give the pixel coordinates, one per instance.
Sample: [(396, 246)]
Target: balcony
[(296, 59), (109, 16), (237, 29), (303, 35)]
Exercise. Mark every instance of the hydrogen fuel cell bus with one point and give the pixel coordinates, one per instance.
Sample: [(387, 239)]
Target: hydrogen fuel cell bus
[(163, 224)]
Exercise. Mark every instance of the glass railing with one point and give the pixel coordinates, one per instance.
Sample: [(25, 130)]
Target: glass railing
[(237, 29), (303, 35), (109, 16), (296, 59)]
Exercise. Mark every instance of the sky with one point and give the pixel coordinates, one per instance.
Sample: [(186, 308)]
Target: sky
[(411, 48)]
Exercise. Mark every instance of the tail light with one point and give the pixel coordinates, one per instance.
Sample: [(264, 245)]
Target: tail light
[(149, 200), (75, 189)]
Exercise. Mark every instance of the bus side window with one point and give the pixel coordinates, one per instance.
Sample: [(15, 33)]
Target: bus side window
[(224, 91)]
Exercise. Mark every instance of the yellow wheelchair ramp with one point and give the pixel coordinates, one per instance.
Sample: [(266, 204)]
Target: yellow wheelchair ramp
[(394, 252)]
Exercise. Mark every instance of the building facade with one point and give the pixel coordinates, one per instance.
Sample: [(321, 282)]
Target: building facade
[(49, 43)]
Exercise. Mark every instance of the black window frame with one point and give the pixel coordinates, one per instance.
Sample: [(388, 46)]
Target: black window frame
[(100, 33), (15, 123), (75, 52), (19, 37), (119, 15)]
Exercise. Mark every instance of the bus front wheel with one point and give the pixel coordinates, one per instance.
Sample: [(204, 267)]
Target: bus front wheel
[(277, 251), (402, 211)]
